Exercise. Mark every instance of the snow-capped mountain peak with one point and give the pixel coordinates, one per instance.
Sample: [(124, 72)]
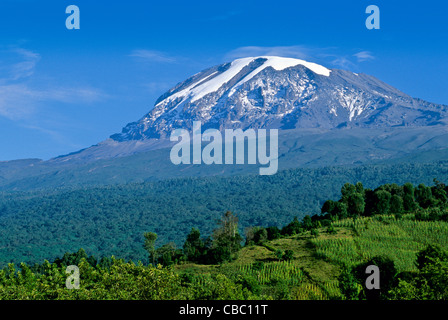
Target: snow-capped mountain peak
[(211, 83), (283, 93)]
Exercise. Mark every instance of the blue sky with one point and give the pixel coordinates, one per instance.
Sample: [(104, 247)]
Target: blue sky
[(62, 90)]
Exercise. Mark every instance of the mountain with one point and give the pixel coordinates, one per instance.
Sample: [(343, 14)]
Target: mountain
[(281, 93), (325, 117)]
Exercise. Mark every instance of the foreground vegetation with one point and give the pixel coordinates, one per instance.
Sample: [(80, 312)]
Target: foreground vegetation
[(401, 229)]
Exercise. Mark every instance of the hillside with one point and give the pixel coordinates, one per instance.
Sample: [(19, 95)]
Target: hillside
[(110, 220), (314, 269)]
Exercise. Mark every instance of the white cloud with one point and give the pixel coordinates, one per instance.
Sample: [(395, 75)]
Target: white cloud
[(153, 56), (343, 62), (299, 52), (26, 67), (330, 56), (364, 56), (19, 101)]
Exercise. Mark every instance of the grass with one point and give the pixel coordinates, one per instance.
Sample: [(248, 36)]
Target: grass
[(398, 239), (306, 276), (317, 261)]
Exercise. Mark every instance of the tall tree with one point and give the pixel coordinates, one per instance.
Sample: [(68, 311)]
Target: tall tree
[(149, 245), (382, 202), (226, 239), (356, 204), (409, 203), (396, 204), (194, 245)]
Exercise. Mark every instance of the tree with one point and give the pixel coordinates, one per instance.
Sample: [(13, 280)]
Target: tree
[(273, 232), (256, 235), (439, 193), (430, 282), (396, 204), (194, 246), (423, 195), (382, 202), (149, 245), (328, 207), (347, 190), (409, 203), (388, 273), (226, 239), (293, 227), (340, 210), (433, 268), (307, 222), (348, 284), (166, 254), (355, 204), (431, 254), (359, 188)]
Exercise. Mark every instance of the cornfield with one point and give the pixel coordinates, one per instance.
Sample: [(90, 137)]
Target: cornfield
[(274, 271), (398, 239)]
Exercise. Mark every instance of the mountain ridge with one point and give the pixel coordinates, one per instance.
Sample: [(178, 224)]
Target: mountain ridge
[(292, 94), (322, 118)]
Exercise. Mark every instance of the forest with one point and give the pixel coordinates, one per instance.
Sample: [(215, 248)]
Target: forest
[(402, 229), (111, 220)]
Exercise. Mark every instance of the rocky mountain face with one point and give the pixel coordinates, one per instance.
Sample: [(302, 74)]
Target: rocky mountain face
[(326, 118), (282, 93)]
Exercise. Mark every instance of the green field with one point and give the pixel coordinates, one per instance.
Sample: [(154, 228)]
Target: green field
[(314, 270)]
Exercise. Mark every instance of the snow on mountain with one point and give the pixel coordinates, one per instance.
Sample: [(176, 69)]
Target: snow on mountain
[(283, 93)]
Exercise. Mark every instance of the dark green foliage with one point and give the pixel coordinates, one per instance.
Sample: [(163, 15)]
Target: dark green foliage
[(273, 232), (289, 255), (430, 282), (328, 206), (409, 203), (110, 220), (307, 222), (355, 204), (423, 196), (381, 202), (75, 258), (226, 239), (396, 204), (256, 235), (167, 254), (331, 229), (340, 210), (430, 255), (221, 247), (388, 274), (149, 245), (194, 246), (349, 284), (279, 254), (293, 227), (428, 203)]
